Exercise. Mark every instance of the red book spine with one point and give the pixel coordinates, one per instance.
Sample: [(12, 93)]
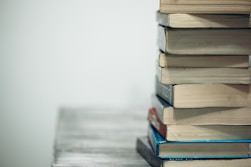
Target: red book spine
[(156, 122)]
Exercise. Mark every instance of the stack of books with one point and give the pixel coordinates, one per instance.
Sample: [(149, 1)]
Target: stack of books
[(201, 109)]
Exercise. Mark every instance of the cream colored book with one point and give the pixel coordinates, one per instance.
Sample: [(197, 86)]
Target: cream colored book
[(209, 163), (210, 61), (205, 41), (204, 95), (207, 2), (184, 20), (173, 75), (177, 132), (201, 116), (207, 132), (206, 6)]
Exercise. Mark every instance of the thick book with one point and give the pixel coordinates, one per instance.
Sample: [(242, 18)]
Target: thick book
[(184, 20), (183, 75), (201, 116), (198, 149), (204, 95), (206, 6), (177, 132), (219, 41), (203, 61), (144, 148)]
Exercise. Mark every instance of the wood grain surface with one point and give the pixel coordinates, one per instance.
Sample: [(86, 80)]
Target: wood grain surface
[(99, 137)]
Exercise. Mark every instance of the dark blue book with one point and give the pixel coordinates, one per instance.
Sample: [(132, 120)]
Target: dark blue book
[(198, 149)]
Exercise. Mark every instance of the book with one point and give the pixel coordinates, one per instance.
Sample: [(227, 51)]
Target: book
[(205, 6), (203, 61), (207, 2), (182, 75), (219, 41), (197, 149), (204, 95), (144, 148), (201, 116), (184, 20), (177, 132)]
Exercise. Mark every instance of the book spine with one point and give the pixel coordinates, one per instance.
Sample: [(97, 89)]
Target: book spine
[(162, 19), (161, 38), (156, 122), (164, 91), (152, 140), (158, 106), (145, 150), (249, 59)]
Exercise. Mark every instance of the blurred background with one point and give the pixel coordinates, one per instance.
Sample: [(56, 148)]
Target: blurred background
[(73, 53)]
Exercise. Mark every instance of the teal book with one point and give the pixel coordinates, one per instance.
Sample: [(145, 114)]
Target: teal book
[(198, 149), (143, 147)]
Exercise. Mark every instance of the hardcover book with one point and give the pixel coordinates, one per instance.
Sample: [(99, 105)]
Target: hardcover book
[(203, 61), (219, 41), (204, 95), (205, 6), (198, 149), (201, 116), (178, 132), (143, 147), (174, 75), (184, 20)]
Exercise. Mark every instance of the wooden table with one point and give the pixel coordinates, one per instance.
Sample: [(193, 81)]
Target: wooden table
[(99, 137)]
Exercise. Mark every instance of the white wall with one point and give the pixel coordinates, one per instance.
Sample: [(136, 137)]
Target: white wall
[(69, 53)]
